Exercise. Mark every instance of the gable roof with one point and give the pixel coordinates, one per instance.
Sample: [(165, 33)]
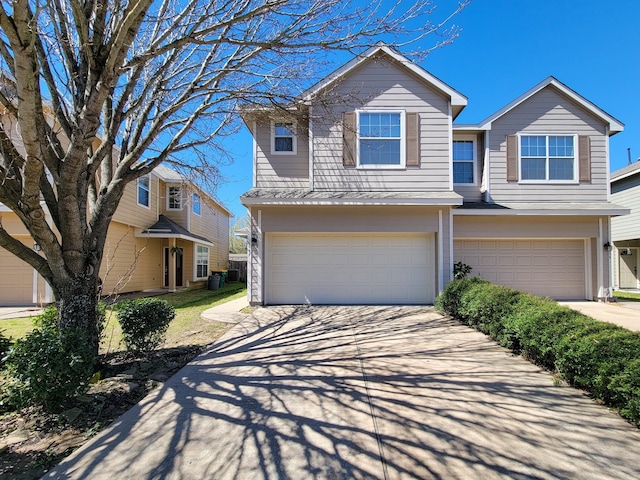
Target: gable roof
[(625, 172), (615, 126), (167, 228), (458, 101)]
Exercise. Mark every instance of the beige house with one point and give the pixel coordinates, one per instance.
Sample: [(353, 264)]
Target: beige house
[(366, 191), (166, 233), (625, 231)]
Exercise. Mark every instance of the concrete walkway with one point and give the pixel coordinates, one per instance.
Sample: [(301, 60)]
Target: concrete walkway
[(625, 314), (364, 393)]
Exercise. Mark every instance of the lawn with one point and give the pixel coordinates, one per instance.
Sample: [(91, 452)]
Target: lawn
[(186, 328), (629, 296)]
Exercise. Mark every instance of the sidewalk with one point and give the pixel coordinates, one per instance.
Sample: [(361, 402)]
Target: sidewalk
[(228, 312)]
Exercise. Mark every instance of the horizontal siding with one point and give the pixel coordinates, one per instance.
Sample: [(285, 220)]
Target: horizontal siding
[(130, 264), (130, 213), (472, 193), (501, 226), (548, 112), (626, 193), (12, 224), (178, 216), (281, 171), (378, 84)]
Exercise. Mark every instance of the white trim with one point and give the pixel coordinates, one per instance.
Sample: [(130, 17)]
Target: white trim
[(456, 97), (138, 233), (547, 181), (608, 173), (342, 201), (48, 293), (450, 138), (294, 136), (195, 262), (614, 125), (599, 273), (169, 187), (34, 294), (403, 141), (255, 153), (474, 145), (588, 270), (548, 212), (311, 151), (261, 250), (450, 244), (148, 176), (440, 255), (486, 177)]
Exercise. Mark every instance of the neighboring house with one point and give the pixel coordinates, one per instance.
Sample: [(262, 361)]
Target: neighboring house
[(625, 231), (366, 192), (166, 233)]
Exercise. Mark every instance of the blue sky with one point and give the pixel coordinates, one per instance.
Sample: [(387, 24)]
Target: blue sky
[(508, 46)]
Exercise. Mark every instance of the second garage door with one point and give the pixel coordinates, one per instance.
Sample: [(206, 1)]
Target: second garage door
[(16, 284), (552, 268), (350, 268)]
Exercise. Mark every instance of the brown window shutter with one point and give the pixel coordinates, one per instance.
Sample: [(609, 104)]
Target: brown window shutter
[(512, 158), (413, 140), (349, 139), (584, 158)]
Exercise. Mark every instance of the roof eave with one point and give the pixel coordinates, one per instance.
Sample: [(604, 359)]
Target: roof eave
[(250, 202)]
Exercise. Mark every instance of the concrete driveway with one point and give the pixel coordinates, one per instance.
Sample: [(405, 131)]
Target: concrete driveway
[(364, 393)]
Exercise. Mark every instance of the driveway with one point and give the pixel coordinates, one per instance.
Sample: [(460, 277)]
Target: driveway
[(364, 393)]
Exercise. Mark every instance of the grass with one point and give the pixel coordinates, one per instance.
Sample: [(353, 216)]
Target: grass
[(630, 296), (187, 327)]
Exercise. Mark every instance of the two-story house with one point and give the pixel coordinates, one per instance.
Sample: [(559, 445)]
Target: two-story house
[(165, 234), (625, 231), (366, 192)]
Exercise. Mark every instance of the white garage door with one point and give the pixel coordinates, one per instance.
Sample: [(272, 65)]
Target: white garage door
[(350, 269), (16, 280), (553, 268)]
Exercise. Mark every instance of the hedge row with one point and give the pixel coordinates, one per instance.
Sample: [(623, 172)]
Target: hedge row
[(599, 357)]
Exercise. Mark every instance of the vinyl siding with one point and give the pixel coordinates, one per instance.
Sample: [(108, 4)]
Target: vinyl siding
[(626, 192), (548, 112), (178, 216), (130, 264), (213, 224), (130, 213), (281, 170), (380, 85)]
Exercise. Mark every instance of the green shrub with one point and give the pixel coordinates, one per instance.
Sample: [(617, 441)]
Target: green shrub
[(5, 345), (48, 319), (449, 300), (600, 357), (47, 368), (144, 323)]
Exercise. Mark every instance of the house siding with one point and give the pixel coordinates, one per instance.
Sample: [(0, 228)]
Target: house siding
[(472, 193), (130, 212), (625, 192), (281, 170), (550, 112), (381, 85)]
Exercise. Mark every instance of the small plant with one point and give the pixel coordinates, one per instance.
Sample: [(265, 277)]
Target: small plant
[(47, 368), (144, 323), (461, 270), (5, 345)]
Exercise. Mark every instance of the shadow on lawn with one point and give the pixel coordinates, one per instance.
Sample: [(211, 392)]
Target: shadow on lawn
[(354, 392)]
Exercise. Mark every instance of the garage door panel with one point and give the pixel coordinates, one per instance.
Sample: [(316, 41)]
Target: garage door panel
[(350, 268), (16, 284), (554, 268)]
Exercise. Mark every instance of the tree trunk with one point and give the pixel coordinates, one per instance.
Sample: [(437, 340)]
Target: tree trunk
[(78, 307)]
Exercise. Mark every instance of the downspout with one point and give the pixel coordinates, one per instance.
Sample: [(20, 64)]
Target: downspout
[(602, 294)]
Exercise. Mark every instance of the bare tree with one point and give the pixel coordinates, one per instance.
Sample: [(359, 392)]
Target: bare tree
[(97, 93)]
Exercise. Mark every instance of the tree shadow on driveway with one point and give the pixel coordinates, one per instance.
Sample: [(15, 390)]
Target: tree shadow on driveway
[(359, 392)]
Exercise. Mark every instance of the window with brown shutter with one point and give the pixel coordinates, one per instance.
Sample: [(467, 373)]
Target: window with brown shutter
[(349, 139), (413, 140), (512, 158), (584, 158)]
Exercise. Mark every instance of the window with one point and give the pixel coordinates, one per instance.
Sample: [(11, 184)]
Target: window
[(195, 203), (202, 261), (547, 158), (143, 191), (283, 139), (380, 139), (174, 198), (464, 162)]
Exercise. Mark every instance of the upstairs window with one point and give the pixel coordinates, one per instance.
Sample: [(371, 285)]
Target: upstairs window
[(174, 198), (283, 138), (143, 191), (548, 158), (195, 204), (464, 162), (381, 139)]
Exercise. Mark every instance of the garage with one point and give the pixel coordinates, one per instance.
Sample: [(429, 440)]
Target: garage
[(16, 284), (350, 268), (553, 268)]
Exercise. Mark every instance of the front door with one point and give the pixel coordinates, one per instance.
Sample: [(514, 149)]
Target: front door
[(628, 268), (178, 257)]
